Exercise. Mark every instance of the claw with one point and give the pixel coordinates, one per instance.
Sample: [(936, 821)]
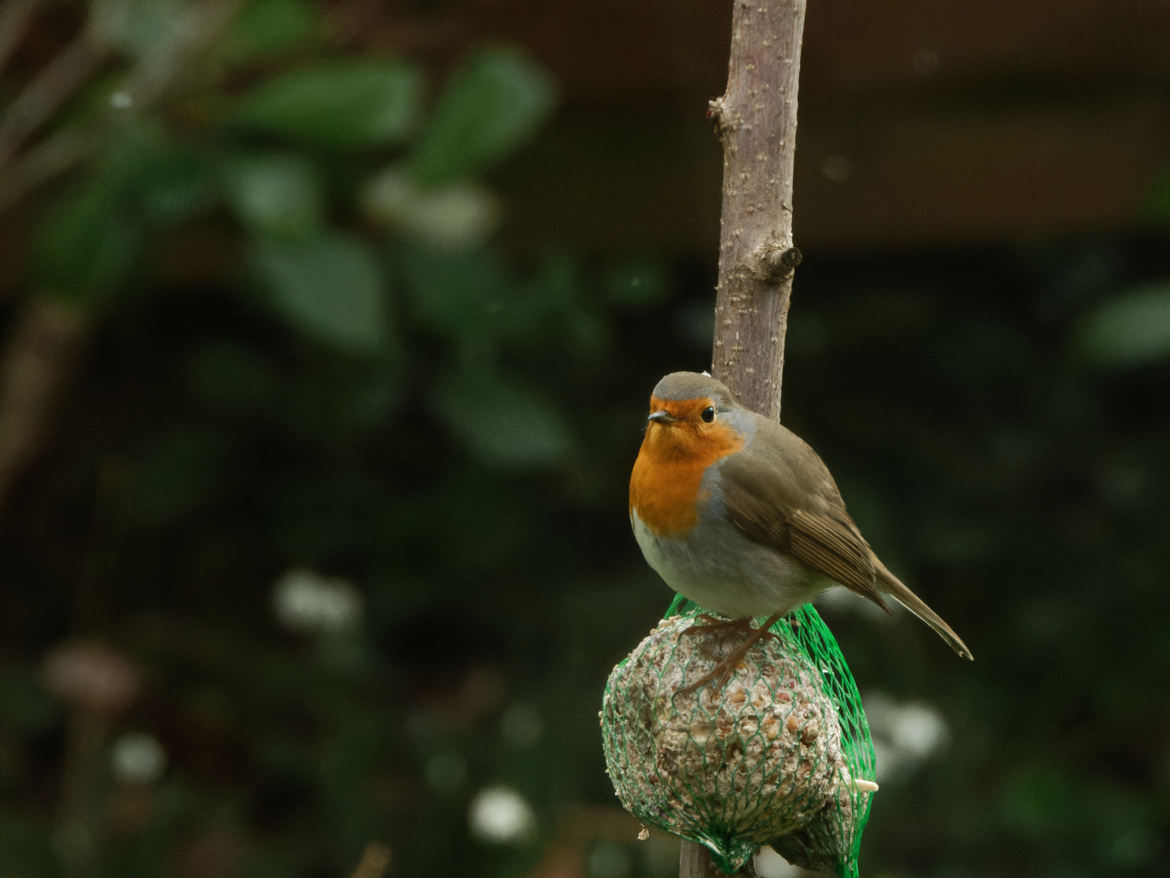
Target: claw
[(727, 664)]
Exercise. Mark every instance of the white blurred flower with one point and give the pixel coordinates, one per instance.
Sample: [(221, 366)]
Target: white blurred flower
[(500, 814), (452, 215), (905, 734), (919, 730), (137, 758), (308, 602)]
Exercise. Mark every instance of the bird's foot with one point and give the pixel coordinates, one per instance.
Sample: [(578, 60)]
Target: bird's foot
[(717, 626), (715, 631), (727, 662), (710, 621)]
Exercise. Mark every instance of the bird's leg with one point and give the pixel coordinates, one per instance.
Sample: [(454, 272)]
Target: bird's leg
[(724, 667), (719, 630), (710, 623)]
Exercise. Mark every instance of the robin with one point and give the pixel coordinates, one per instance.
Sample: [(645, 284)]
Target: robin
[(740, 515)]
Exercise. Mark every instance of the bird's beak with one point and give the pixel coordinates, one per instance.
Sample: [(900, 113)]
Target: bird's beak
[(662, 416)]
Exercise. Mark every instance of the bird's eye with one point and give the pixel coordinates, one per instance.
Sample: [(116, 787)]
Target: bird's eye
[(708, 414)]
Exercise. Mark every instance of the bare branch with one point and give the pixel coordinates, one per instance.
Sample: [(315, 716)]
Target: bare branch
[(756, 121), (14, 18), (37, 361), (49, 89), (148, 82)]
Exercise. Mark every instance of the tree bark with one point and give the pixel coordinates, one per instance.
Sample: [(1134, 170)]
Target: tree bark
[(695, 862), (756, 122)]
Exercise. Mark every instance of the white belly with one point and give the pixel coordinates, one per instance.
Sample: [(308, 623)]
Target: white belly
[(721, 570)]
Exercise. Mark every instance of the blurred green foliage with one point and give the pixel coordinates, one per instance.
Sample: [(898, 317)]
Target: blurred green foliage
[(343, 477)]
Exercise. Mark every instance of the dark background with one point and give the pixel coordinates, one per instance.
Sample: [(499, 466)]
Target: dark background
[(327, 335)]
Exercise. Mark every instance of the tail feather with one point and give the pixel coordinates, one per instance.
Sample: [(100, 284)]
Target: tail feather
[(894, 587)]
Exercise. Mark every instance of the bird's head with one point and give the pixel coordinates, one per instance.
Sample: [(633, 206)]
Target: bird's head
[(689, 415)]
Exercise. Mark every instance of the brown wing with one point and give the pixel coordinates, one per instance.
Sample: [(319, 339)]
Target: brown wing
[(780, 494)]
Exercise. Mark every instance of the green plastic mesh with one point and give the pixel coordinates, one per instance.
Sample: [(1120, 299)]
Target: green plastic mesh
[(779, 754)]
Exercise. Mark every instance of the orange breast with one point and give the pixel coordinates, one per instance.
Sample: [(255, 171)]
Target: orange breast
[(665, 486)]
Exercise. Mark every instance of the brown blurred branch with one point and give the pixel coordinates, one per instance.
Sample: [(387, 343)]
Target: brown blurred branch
[(61, 153), (14, 18), (49, 89), (39, 357), (35, 366), (145, 84), (374, 862), (695, 862), (756, 121)]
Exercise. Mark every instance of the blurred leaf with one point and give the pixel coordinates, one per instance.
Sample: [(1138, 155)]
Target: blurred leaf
[(567, 309), (349, 760), (324, 513), (451, 215), (25, 704), (369, 398), (180, 471), (1158, 199), (330, 402), (503, 421), (341, 103), (455, 292), (491, 107), (231, 376), (157, 177), (1043, 800), (137, 26), (278, 195), (86, 246), (91, 241), (173, 808), (330, 287), (174, 184), (474, 298), (27, 849), (266, 28), (1130, 329), (276, 861)]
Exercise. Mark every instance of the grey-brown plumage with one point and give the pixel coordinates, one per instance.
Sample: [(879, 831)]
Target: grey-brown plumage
[(767, 529)]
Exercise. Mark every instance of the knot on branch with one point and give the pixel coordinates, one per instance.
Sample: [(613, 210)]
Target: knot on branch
[(776, 262), (724, 115)]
